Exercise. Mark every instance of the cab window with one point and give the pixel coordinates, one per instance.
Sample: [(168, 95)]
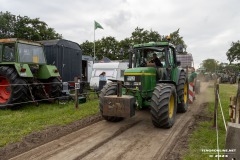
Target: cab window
[(8, 53), (171, 57)]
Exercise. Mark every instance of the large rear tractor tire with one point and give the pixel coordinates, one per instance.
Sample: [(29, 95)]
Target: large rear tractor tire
[(182, 93), (13, 89), (164, 105), (108, 89)]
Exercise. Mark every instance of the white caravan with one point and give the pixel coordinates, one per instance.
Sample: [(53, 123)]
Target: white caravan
[(114, 70)]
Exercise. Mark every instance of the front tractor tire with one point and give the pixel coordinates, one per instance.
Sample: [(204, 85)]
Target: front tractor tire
[(13, 89), (164, 105), (182, 92), (108, 89)]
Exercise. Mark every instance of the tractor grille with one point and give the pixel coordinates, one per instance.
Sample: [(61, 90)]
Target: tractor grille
[(133, 82)]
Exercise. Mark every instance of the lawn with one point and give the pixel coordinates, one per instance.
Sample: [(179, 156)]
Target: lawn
[(204, 137), (15, 124)]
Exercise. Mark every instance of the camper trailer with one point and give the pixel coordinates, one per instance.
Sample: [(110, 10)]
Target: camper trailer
[(114, 70)]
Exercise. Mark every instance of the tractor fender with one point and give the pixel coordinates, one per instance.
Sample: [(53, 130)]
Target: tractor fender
[(47, 71), (26, 73)]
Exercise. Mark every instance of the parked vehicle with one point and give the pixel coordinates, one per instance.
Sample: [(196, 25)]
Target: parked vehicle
[(114, 71), (66, 55), (24, 74)]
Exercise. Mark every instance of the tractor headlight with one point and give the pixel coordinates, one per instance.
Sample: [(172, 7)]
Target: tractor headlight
[(136, 83), (130, 78), (126, 83)]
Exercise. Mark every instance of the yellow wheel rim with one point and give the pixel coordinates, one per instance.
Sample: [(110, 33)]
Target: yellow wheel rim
[(171, 106), (185, 93)]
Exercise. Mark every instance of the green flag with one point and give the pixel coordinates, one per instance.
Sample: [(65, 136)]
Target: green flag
[(97, 25)]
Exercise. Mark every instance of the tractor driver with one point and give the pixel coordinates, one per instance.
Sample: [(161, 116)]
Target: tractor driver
[(156, 61)]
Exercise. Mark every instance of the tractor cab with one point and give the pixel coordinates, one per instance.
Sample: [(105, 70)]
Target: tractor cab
[(143, 56), (15, 50)]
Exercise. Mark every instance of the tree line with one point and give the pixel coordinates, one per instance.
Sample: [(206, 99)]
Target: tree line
[(114, 49), (12, 26)]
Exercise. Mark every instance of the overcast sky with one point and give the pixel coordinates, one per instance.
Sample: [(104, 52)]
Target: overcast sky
[(207, 26)]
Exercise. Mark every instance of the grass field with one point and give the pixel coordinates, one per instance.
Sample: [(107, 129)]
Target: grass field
[(15, 124), (204, 137)]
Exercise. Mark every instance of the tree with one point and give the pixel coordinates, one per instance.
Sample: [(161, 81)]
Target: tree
[(12, 26), (210, 65), (87, 48), (139, 36), (125, 46), (109, 47), (113, 49), (7, 24), (233, 53), (177, 40), (154, 36)]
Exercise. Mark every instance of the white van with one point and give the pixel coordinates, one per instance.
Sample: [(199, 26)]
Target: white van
[(114, 70)]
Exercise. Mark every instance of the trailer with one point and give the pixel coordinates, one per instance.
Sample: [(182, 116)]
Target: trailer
[(114, 70), (66, 55)]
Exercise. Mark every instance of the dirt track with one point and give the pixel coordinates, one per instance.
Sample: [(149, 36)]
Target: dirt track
[(133, 138)]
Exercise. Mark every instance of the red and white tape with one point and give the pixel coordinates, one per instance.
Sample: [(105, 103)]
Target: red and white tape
[(191, 93)]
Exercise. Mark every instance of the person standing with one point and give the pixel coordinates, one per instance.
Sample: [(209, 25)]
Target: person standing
[(102, 80), (193, 76), (193, 79)]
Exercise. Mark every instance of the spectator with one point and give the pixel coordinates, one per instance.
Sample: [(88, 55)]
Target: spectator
[(193, 76), (102, 80), (193, 79), (102, 76)]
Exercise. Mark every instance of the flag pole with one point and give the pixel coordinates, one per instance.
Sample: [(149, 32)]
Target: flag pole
[(94, 43)]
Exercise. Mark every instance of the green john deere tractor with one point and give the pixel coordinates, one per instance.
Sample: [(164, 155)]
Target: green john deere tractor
[(164, 89), (24, 75)]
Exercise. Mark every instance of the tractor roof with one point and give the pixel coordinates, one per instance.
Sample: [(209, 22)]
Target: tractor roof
[(14, 40), (153, 44)]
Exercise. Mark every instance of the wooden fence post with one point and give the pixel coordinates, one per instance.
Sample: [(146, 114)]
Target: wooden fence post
[(76, 92), (238, 104), (216, 104)]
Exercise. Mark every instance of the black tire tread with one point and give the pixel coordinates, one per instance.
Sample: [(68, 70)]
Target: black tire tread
[(19, 92), (182, 107), (55, 88), (159, 105)]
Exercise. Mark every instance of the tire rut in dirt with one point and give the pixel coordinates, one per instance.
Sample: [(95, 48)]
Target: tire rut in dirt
[(162, 117), (19, 91), (37, 139), (182, 85), (117, 133), (108, 89)]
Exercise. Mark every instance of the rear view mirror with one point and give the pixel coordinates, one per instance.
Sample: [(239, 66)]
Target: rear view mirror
[(179, 48)]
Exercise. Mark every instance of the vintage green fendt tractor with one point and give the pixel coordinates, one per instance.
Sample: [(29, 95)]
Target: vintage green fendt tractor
[(164, 89), (24, 75)]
